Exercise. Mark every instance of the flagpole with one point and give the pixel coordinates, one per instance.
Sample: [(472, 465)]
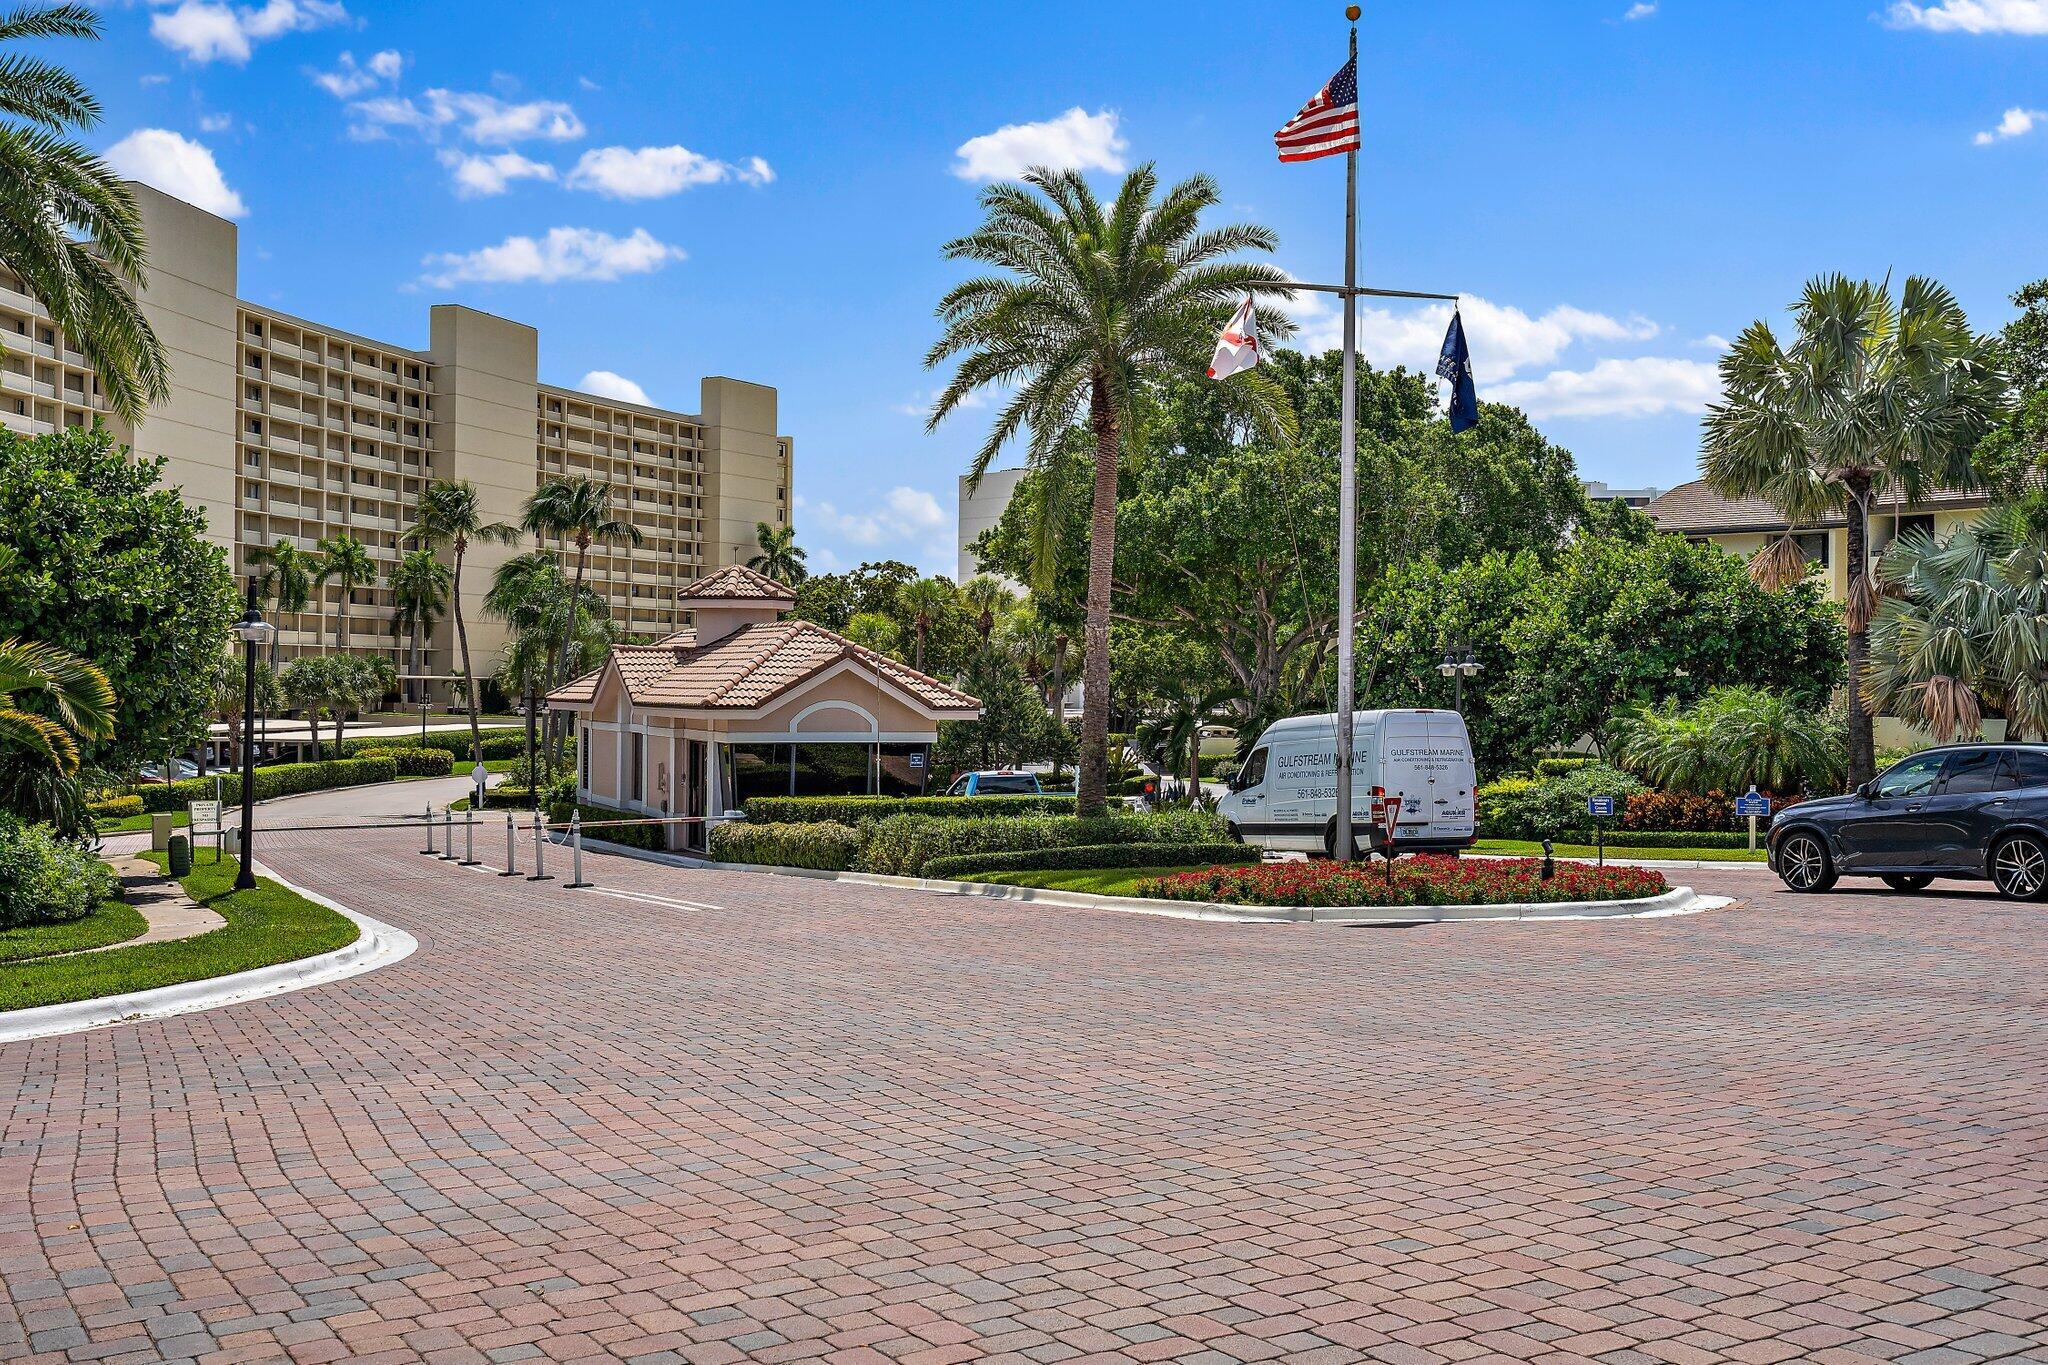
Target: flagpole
[(1347, 491)]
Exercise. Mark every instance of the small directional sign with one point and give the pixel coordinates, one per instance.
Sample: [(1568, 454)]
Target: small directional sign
[(1600, 807), (1752, 803), (917, 760)]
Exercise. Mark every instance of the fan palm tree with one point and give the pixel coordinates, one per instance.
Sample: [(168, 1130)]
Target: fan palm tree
[(346, 563), (1872, 397), (924, 603), (1771, 740), (1092, 304), (780, 557), (419, 594), (874, 630), (1028, 639), (77, 691), (450, 516), (986, 600), (284, 576), (68, 225)]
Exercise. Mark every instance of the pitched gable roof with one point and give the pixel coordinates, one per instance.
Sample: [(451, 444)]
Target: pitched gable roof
[(736, 583), (1695, 509)]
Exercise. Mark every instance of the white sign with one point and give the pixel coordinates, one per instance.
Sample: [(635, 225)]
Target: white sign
[(203, 814), (479, 775)]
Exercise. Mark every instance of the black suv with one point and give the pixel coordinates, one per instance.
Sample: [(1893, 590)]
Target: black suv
[(1964, 810)]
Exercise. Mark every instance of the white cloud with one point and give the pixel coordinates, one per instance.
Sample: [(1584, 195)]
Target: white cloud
[(1504, 339), (1972, 16), (2016, 123), (1642, 9), (1076, 140), (658, 172), (348, 80), (605, 384), (479, 117), (1714, 341), (1639, 387), (920, 405), (564, 254), (479, 177), (216, 123), (906, 519), (178, 166), (209, 30)]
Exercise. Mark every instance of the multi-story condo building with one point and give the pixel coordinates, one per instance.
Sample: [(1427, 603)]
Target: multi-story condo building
[(281, 428)]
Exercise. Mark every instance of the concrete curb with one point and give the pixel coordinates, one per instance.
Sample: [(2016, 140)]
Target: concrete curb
[(378, 945), (1680, 900)]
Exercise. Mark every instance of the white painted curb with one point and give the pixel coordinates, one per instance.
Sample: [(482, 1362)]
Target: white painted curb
[(378, 945), (1680, 900)]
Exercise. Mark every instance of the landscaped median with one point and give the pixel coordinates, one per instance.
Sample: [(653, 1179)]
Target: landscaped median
[(1423, 879)]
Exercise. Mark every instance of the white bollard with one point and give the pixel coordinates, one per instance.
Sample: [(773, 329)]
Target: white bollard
[(511, 848), (576, 850), (447, 834), (428, 851), (469, 838), (539, 838)]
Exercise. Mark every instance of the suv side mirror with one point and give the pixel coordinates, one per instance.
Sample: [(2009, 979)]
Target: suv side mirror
[(1868, 791)]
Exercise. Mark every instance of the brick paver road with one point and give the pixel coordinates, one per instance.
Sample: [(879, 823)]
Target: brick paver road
[(831, 1122)]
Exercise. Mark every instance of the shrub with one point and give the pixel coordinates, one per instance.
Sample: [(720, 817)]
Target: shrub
[(1504, 806), (498, 743), (1421, 880), (416, 762), (652, 837), (179, 860), (47, 880), (824, 844), (287, 779), (1668, 838), (1087, 856), (903, 844), (116, 807), (852, 810), (1540, 807), (1559, 764)]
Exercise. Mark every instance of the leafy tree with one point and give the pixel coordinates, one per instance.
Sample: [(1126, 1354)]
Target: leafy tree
[(420, 584), (284, 577), (337, 686), (68, 224), (450, 516), (1092, 304), (72, 701), (1013, 727), (833, 600), (97, 560), (780, 557), (1174, 731), (1872, 396), (924, 604), (345, 562), (876, 631)]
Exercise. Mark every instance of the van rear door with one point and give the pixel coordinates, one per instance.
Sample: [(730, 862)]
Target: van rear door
[(1454, 806), (1404, 769), (1428, 760)]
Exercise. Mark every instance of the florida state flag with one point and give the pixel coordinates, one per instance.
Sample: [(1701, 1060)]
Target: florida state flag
[(1238, 347)]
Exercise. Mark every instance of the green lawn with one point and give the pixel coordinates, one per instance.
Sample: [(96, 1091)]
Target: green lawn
[(1111, 881), (264, 926), (112, 922), (1523, 848)]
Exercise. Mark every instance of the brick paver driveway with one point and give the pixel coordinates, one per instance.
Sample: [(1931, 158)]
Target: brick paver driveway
[(824, 1121)]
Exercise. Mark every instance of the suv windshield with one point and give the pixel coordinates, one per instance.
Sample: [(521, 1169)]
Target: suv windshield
[(1912, 777)]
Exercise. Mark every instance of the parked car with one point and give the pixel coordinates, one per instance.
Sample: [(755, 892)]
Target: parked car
[(1969, 811), (999, 782), (1285, 795), (181, 768)]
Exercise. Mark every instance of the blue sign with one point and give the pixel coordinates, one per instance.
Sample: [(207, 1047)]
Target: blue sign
[(1601, 806), (917, 760), (1752, 803)]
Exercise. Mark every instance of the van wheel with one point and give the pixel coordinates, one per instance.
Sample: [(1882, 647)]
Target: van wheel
[(1233, 833), (1358, 850)]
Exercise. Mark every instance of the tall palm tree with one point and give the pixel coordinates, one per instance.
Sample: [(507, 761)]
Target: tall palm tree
[(780, 558), (1093, 303), (346, 563), (68, 225), (1872, 397), (419, 590), (284, 576), (450, 516), (579, 511), (77, 691), (924, 603), (986, 600)]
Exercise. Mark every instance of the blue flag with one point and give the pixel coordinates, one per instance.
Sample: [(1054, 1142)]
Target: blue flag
[(1455, 364)]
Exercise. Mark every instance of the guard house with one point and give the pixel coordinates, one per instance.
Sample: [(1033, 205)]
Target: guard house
[(742, 703)]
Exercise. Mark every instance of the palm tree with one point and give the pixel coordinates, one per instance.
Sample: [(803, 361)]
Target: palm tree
[(1093, 304), (345, 562), (577, 510), (874, 630), (284, 575), (1174, 731), (68, 225), (450, 515), (925, 603), (1871, 398), (780, 558), (419, 593), (1772, 740), (77, 691), (1028, 639), (230, 695), (986, 599)]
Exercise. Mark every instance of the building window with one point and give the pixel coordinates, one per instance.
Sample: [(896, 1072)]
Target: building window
[(1918, 524), (637, 785), (1815, 546), (583, 756)]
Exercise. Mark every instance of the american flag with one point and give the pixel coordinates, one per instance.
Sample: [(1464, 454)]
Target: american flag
[(1327, 124)]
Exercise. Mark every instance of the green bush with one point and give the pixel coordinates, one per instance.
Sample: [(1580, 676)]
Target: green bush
[(903, 844), (180, 856), (1519, 807), (497, 743), (652, 837), (852, 810), (47, 880), (415, 761), (823, 844), (1080, 857), (1665, 838), (116, 807), (1560, 764), (288, 779)]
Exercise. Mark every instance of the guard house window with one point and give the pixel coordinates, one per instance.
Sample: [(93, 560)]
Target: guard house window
[(583, 759), (638, 783)]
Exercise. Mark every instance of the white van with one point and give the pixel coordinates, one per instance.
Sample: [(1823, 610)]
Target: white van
[(1285, 795)]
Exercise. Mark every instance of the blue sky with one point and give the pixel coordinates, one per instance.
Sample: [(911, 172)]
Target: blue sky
[(673, 190)]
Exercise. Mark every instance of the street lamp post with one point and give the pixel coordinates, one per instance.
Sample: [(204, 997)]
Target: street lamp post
[(1458, 670), (254, 633), (424, 705)]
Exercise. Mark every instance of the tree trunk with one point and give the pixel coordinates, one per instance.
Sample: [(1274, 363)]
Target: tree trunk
[(476, 734), (1059, 679), (917, 649), (340, 726), (1092, 786), (558, 732), (1195, 768), (418, 690), (1862, 737), (341, 620)]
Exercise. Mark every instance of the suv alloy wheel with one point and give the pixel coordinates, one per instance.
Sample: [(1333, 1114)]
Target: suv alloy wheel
[(1804, 864), (2019, 868)]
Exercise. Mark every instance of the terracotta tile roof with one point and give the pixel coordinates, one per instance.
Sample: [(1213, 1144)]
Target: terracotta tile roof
[(736, 583), (749, 668), (1695, 509)]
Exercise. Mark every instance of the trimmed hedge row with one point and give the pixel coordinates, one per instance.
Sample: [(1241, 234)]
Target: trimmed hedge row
[(1665, 838), (498, 743), (851, 810), (286, 779), (903, 844), (823, 844), (115, 807), (414, 761), (651, 837), (1082, 856)]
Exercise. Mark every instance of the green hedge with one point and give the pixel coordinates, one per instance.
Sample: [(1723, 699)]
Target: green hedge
[(1665, 838), (851, 810), (1088, 856), (1559, 765), (903, 844), (498, 743), (287, 779), (415, 761), (822, 844), (651, 837), (47, 880), (115, 807)]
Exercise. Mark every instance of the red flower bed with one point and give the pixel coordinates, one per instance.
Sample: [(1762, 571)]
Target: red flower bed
[(1420, 880)]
